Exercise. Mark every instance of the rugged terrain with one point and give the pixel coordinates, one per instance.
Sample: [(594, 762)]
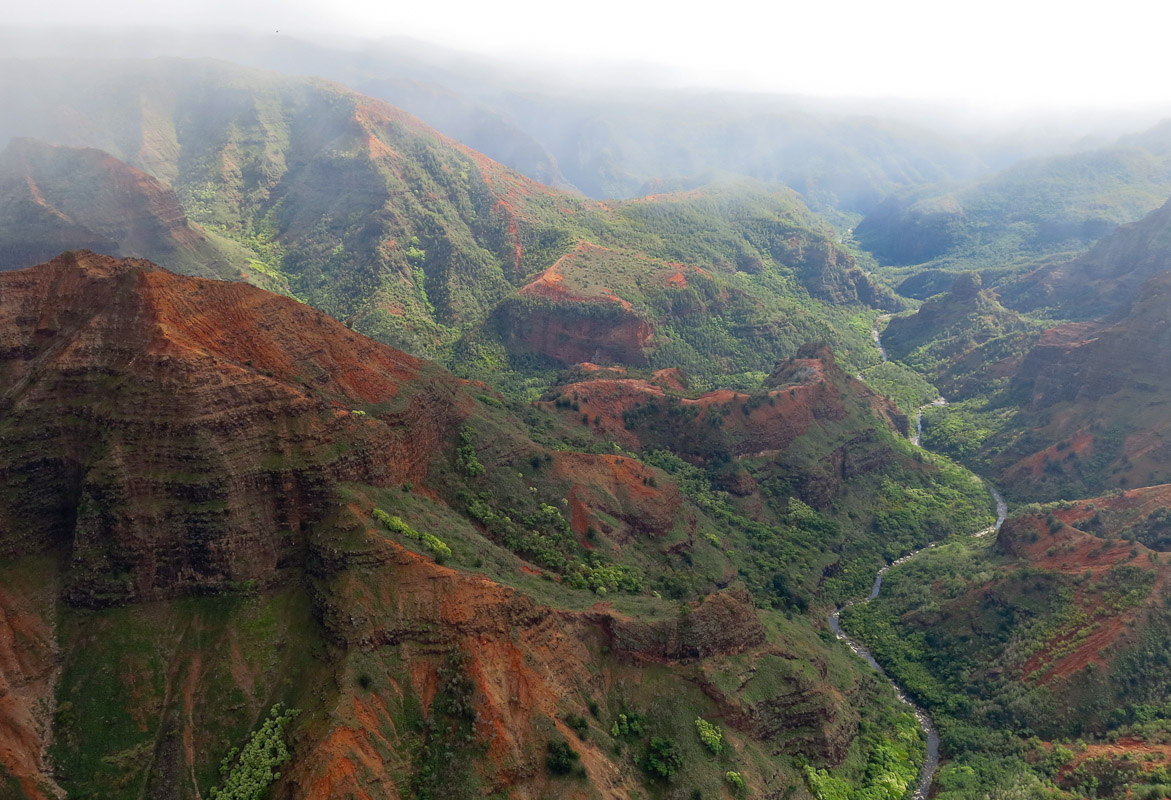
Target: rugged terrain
[(595, 558), (1056, 631), (216, 499), (1069, 411), (1104, 281)]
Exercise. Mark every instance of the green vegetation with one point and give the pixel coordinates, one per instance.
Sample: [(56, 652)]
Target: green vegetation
[(112, 719), (900, 383), (447, 744), (982, 640), (711, 735), (947, 327), (736, 781), (628, 724), (561, 758), (891, 770), (783, 558), (465, 455), (395, 524), (662, 758), (250, 771)]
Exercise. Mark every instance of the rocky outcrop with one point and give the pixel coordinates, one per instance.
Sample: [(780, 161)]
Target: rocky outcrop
[(575, 331), (724, 623)]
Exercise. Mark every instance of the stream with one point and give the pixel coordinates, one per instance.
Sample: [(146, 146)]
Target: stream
[(931, 762)]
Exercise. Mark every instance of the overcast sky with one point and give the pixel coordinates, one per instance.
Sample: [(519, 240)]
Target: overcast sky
[(1002, 53)]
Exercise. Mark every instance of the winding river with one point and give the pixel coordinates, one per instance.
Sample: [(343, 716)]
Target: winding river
[(932, 760)]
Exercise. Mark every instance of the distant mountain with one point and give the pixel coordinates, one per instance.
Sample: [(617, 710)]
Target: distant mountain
[(370, 215), (626, 146), (61, 198), (1104, 280), (597, 134), (1030, 210)]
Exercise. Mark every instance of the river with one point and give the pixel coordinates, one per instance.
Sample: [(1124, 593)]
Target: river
[(931, 763)]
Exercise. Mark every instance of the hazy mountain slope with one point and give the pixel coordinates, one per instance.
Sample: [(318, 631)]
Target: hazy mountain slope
[(1105, 279), (609, 140), (59, 198), (1032, 209), (471, 121), (344, 196), (373, 217)]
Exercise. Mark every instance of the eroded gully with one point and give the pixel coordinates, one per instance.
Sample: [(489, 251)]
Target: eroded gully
[(932, 760)]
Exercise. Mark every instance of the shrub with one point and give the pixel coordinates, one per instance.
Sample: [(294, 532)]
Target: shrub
[(254, 770), (627, 724), (662, 759), (433, 543), (561, 757), (466, 460), (578, 724), (736, 780), (711, 735)]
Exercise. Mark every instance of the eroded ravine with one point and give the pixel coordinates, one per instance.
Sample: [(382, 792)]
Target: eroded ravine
[(931, 762)]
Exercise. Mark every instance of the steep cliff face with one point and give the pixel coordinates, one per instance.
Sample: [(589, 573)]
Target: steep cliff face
[(54, 199), (175, 433), (572, 333)]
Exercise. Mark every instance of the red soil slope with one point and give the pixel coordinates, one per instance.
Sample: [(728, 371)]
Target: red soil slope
[(1071, 551)]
